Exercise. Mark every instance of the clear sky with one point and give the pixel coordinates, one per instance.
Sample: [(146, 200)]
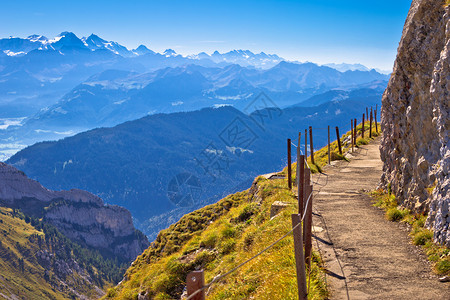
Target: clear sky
[(321, 31)]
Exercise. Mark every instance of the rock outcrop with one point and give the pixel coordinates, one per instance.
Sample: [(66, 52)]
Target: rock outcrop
[(415, 117), (79, 215)]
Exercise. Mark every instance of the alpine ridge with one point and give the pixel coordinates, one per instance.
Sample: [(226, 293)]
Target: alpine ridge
[(79, 215)]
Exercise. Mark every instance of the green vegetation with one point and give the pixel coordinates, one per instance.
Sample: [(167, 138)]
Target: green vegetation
[(24, 272), (439, 255), (217, 238)]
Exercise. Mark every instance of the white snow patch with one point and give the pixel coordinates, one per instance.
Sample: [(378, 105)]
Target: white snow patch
[(242, 150), (41, 131), (60, 110), (313, 115), (67, 163), (10, 53), (237, 97), (8, 150), (177, 103), (69, 132), (6, 122), (221, 105), (55, 39), (214, 151), (339, 98), (120, 101)]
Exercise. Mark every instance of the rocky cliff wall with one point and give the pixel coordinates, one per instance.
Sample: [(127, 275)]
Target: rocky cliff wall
[(79, 215), (415, 117)]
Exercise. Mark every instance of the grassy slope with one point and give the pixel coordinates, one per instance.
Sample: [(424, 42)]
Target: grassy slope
[(219, 237), (15, 235), (20, 272)]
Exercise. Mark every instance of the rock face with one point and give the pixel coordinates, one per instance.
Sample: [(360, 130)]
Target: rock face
[(79, 215), (415, 117)]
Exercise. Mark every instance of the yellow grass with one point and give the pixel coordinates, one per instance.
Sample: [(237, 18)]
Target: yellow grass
[(233, 237)]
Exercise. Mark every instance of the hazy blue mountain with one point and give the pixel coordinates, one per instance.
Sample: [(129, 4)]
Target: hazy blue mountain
[(64, 85), (374, 89), (343, 67), (94, 42), (115, 96), (142, 50), (49, 68), (244, 58), (211, 152)]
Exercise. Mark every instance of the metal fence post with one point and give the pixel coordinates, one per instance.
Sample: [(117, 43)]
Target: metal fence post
[(300, 182), (352, 133), (376, 122), (329, 146), (306, 143), (289, 163), (195, 280), (338, 137), (311, 144), (362, 129), (307, 225), (299, 257)]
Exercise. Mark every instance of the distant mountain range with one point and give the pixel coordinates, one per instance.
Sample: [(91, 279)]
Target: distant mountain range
[(212, 152), (68, 42), (62, 86), (36, 71)]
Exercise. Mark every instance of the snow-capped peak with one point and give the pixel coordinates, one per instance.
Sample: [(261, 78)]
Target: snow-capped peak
[(37, 38), (169, 53), (142, 50)]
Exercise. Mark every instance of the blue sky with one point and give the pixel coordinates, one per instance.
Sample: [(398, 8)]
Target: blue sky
[(323, 31)]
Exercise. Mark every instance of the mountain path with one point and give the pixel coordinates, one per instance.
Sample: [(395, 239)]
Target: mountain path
[(366, 256)]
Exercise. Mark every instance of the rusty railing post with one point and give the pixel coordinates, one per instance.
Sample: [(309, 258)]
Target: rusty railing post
[(352, 133), (329, 146), (307, 225), (300, 182), (338, 138), (376, 122), (363, 123), (306, 185), (356, 132), (370, 127), (289, 162), (311, 144), (299, 257), (195, 281), (306, 143), (298, 154)]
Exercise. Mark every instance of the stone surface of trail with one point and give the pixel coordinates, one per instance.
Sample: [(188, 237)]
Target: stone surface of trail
[(367, 257)]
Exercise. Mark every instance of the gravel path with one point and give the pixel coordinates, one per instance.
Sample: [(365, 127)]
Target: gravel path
[(367, 257)]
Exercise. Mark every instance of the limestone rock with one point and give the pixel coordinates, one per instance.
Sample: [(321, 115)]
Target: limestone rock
[(79, 215), (415, 116), (276, 207)]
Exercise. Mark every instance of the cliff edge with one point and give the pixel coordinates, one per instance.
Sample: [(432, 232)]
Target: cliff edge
[(80, 215), (415, 117)]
